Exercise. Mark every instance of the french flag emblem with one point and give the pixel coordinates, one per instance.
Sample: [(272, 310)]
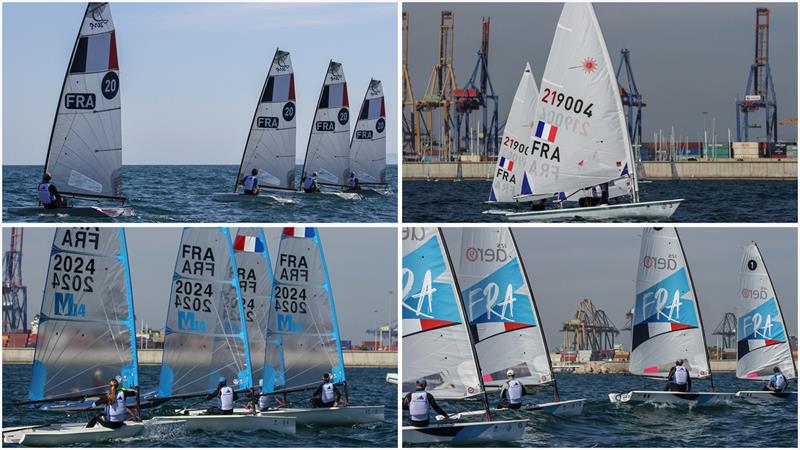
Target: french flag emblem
[(300, 232), (506, 164), (248, 244), (546, 131)]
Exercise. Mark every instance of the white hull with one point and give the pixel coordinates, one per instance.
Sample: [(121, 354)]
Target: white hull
[(75, 211), (767, 396), (658, 210), (681, 398), (466, 433), (230, 197), (391, 378), (60, 435), (345, 415), (235, 422)]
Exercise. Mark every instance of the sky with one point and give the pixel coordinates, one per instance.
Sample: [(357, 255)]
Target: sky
[(191, 73), (687, 58), (566, 265), (362, 264)]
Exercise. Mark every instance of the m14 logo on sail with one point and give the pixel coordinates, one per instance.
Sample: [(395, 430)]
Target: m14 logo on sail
[(198, 261), (80, 101), (81, 238), (188, 322), (267, 122), (65, 306), (660, 263)]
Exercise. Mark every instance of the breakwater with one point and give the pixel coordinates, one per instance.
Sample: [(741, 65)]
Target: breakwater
[(598, 367)]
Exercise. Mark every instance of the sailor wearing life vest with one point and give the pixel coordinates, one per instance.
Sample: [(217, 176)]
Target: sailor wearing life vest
[(326, 395), (114, 413), (512, 392), (225, 401), (310, 183), (250, 183), (678, 378), (419, 403), (48, 194), (776, 383)]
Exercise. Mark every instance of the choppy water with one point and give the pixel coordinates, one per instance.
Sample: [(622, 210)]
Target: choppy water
[(705, 201), (602, 424), (367, 386), (183, 194)]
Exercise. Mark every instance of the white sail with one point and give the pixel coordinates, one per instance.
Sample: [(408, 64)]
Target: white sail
[(579, 138), (510, 179), (368, 146), (760, 332), (500, 307), (85, 152), (328, 151), (436, 343), (271, 144), (666, 318)]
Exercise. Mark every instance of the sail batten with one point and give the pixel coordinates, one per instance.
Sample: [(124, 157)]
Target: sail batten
[(368, 144)]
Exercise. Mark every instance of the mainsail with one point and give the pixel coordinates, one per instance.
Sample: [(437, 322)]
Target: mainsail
[(510, 179), (667, 325), (328, 151), (270, 146), (303, 339), (368, 146), (255, 282), (436, 343), (579, 138), (500, 307), (84, 157), (87, 333), (761, 333), (205, 337)]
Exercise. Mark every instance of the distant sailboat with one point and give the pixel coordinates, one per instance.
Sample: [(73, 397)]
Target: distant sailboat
[(368, 144)]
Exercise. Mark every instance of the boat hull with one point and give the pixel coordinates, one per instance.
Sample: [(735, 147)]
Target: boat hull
[(658, 210), (231, 197), (345, 415), (60, 435), (392, 378), (234, 422), (75, 211), (564, 408), (683, 398), (466, 433), (767, 396)]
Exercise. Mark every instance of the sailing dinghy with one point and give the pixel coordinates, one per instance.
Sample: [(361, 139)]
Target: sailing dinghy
[(206, 334), (438, 346), (761, 332), (579, 138), (328, 150), (667, 325), (84, 157), (503, 316), (368, 144), (87, 336), (271, 143)]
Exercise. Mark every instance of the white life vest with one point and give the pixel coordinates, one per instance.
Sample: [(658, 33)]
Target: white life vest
[(514, 392), (327, 395), (250, 182), (681, 375), (116, 411), (44, 193), (780, 382), (226, 398), (419, 408), (263, 402)]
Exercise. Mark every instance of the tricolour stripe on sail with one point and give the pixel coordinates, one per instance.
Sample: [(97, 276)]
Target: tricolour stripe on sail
[(666, 318), (579, 137), (303, 332), (328, 151), (85, 152), (761, 333), (271, 144), (368, 146), (510, 178), (205, 337), (87, 333), (436, 344), (499, 304)]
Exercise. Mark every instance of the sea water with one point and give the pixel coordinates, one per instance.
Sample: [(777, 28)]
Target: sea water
[(366, 387), (704, 200), (183, 194)]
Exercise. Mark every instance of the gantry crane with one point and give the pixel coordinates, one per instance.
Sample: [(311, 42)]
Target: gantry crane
[(15, 293), (410, 141), (759, 92)]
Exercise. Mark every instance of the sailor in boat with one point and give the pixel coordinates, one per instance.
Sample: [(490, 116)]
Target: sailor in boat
[(678, 379), (352, 183), (310, 183), (326, 395), (49, 196), (511, 392), (250, 183), (419, 403), (116, 408), (776, 383), (599, 196), (226, 396)]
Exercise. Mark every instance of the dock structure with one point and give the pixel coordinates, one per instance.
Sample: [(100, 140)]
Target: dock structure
[(589, 329)]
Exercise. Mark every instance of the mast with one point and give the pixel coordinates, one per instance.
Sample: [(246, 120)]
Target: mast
[(242, 317), (131, 315), (313, 121), (465, 318)]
